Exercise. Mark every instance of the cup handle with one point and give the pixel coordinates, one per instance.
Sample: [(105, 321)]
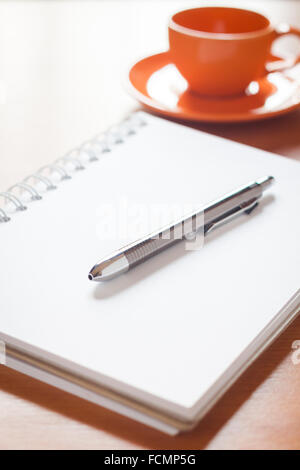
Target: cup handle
[(281, 65)]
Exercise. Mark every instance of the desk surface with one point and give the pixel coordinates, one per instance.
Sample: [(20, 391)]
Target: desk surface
[(61, 66)]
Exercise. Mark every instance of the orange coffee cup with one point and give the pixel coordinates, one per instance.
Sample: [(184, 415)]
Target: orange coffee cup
[(220, 51)]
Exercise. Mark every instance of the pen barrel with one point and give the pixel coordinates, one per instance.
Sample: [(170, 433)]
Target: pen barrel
[(147, 249), (164, 239)]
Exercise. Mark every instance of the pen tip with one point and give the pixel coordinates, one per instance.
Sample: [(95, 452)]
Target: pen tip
[(109, 268)]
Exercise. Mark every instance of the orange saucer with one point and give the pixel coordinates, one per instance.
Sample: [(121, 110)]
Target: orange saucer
[(157, 84)]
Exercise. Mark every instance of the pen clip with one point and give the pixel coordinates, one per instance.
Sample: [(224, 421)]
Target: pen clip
[(246, 207)]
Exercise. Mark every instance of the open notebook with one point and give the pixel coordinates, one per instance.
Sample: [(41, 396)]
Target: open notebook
[(163, 342)]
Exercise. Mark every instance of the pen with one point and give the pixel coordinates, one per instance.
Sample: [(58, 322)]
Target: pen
[(245, 199)]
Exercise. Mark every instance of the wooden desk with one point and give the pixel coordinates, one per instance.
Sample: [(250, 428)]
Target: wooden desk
[(60, 68)]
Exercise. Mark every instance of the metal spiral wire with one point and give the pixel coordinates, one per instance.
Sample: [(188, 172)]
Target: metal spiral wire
[(75, 160)]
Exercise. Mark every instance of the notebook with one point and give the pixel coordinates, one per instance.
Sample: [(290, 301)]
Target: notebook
[(161, 343)]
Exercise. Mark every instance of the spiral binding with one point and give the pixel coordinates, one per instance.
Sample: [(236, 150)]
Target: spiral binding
[(76, 160)]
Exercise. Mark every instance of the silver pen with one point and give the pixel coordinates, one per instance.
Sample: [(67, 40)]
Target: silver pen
[(244, 199)]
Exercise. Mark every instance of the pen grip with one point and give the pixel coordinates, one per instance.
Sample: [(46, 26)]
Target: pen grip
[(147, 249)]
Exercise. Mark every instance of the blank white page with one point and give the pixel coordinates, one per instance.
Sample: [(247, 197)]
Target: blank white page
[(168, 329)]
